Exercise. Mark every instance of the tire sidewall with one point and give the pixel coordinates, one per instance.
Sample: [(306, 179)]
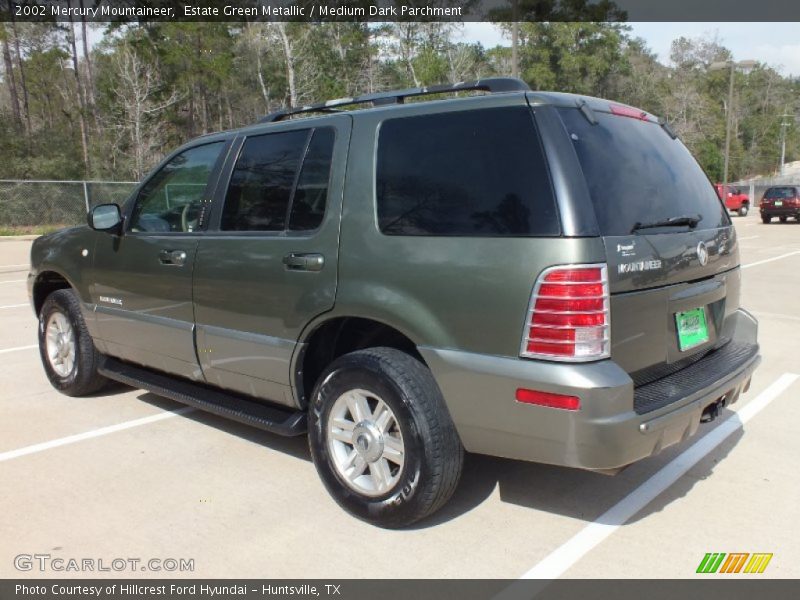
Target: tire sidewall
[(397, 502), (51, 306), (79, 380)]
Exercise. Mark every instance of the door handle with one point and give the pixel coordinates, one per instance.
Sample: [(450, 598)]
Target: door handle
[(172, 257), (297, 261)]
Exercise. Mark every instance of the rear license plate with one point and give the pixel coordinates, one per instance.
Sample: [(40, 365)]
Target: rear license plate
[(692, 328), (779, 203)]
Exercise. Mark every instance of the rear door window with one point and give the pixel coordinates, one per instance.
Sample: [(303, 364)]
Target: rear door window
[(637, 173), (262, 181), (280, 181), (311, 195), (467, 173)]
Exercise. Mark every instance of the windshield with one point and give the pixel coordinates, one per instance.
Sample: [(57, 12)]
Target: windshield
[(637, 173)]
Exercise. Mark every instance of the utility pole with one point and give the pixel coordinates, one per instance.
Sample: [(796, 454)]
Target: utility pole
[(514, 40), (732, 65), (728, 121), (784, 127)]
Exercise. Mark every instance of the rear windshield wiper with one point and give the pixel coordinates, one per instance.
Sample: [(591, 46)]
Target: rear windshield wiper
[(671, 222)]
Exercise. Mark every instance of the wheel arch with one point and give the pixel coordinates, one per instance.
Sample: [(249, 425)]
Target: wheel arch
[(48, 281), (331, 337)]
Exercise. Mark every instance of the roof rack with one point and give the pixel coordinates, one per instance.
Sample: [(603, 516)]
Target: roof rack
[(492, 84)]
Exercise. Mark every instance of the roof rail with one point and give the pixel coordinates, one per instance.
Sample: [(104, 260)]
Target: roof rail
[(492, 84)]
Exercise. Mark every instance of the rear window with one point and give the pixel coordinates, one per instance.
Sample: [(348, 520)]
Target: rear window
[(467, 173), (779, 192), (636, 173)]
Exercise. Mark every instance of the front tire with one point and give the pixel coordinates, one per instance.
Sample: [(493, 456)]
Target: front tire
[(743, 210), (382, 439), (68, 353)]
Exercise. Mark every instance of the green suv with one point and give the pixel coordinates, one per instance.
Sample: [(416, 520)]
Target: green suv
[(538, 276)]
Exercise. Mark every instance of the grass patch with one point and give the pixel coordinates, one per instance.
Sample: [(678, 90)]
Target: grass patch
[(29, 229)]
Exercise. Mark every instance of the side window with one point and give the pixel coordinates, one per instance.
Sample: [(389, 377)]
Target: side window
[(265, 186), (468, 173), (172, 199), (311, 195)]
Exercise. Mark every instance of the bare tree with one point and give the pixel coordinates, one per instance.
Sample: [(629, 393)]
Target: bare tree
[(87, 59), (136, 86), (81, 98), (254, 41), (22, 80), (462, 63), (302, 74), (9, 76), (290, 57), (406, 35)]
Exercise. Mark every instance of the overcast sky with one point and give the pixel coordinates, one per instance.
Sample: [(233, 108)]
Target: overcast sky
[(777, 44)]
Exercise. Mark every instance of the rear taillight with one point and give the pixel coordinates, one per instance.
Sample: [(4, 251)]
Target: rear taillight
[(568, 317)]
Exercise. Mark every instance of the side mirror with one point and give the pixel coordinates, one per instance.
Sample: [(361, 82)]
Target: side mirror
[(106, 217)]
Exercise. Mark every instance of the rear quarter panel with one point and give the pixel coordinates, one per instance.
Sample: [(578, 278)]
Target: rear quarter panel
[(446, 292)]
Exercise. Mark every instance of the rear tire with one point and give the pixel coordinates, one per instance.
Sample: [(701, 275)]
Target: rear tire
[(68, 353), (766, 220), (743, 210), (783, 219), (387, 468)]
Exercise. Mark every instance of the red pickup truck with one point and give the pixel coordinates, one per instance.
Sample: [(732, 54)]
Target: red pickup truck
[(734, 199)]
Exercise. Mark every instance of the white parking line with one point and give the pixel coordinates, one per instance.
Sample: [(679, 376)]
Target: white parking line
[(14, 281), (15, 305), (782, 317), (560, 560), (766, 260), (11, 454), (9, 266), (748, 237), (18, 348)]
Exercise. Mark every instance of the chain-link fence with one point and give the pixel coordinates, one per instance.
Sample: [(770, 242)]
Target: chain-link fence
[(756, 187), (52, 204)]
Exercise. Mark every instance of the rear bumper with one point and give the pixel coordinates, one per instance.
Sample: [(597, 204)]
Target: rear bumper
[(779, 211), (607, 432)]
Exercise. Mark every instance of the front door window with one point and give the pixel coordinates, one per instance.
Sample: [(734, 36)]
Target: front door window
[(173, 199)]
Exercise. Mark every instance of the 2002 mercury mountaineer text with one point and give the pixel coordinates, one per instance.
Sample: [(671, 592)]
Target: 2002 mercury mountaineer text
[(531, 275)]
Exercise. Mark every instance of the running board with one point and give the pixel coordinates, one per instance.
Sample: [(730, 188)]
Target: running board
[(283, 421)]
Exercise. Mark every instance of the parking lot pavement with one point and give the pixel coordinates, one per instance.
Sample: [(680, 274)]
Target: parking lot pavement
[(244, 503)]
